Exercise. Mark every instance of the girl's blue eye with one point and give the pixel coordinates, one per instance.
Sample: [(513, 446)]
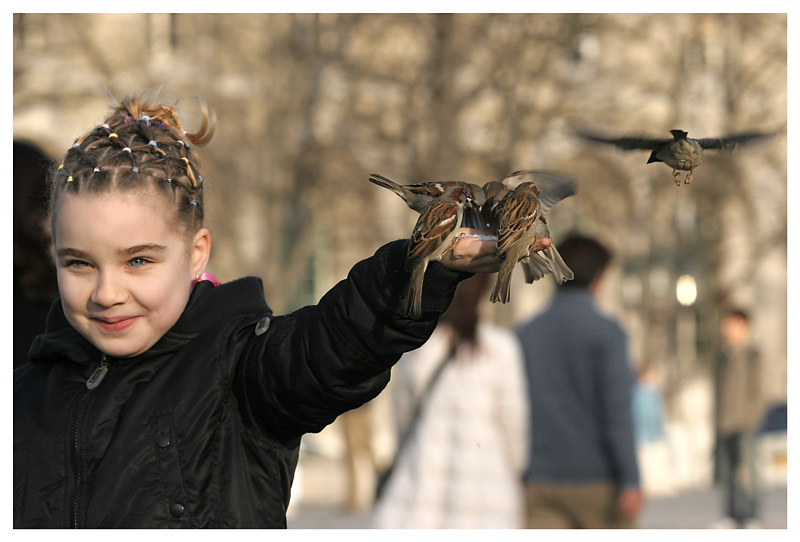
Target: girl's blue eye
[(77, 263), (138, 261)]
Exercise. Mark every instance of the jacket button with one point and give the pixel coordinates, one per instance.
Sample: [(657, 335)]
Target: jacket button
[(176, 509), (163, 440)]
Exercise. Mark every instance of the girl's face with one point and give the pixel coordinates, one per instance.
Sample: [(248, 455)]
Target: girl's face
[(124, 268)]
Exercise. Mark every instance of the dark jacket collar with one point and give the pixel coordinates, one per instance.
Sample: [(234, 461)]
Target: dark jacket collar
[(209, 308)]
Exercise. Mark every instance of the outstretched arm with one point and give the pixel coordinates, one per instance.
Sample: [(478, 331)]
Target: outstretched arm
[(322, 360)]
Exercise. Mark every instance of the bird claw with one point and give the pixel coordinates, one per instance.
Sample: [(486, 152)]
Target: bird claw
[(452, 247), (688, 178), (676, 177)]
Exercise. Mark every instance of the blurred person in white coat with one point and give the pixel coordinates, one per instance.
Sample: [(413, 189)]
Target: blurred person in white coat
[(461, 466)]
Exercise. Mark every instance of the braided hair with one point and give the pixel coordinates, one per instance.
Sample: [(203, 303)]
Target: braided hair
[(139, 146)]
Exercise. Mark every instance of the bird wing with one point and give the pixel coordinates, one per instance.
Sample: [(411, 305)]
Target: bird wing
[(472, 219), (627, 142), (495, 191), (552, 185), (729, 142)]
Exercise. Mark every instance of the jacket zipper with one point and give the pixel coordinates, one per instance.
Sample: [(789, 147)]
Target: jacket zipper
[(94, 380)]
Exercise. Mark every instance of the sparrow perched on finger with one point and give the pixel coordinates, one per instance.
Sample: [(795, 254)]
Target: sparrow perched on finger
[(516, 235), (553, 187), (434, 234), (680, 152), (417, 196)]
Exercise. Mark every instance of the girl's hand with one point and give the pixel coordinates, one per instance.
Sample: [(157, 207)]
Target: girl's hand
[(474, 251)]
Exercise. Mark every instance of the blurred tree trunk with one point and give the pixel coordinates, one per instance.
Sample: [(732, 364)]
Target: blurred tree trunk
[(310, 104)]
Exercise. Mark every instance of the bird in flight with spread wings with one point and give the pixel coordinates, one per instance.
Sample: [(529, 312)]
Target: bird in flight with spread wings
[(680, 152)]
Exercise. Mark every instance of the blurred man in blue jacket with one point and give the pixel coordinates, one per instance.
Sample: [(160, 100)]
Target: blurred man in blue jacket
[(582, 470)]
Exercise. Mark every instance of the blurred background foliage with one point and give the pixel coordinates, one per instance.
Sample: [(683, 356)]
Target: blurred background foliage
[(309, 104)]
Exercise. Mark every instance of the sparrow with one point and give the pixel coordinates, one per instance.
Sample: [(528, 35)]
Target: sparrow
[(418, 196), (552, 187), (434, 234), (494, 191), (516, 235), (681, 152)]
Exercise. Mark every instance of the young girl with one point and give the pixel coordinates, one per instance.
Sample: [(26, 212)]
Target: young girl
[(157, 400)]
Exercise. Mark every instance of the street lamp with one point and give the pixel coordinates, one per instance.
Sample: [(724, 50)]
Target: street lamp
[(686, 290), (686, 293)]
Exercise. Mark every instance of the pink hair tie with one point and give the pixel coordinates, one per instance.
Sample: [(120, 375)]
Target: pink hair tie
[(205, 275)]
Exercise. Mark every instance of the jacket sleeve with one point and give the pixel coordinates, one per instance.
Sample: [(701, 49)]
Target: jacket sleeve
[(616, 389), (322, 360)]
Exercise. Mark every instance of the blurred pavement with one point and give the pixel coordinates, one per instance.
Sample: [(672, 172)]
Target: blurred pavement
[(319, 494), (689, 510)]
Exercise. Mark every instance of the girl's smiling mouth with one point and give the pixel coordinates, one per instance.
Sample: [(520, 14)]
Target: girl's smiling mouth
[(115, 325)]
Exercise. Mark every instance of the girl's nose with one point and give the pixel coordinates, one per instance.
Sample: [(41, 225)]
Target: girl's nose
[(110, 290)]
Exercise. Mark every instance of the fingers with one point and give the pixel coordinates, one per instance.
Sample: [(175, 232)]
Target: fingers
[(473, 252)]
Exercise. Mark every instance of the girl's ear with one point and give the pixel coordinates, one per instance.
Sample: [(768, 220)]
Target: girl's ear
[(200, 251)]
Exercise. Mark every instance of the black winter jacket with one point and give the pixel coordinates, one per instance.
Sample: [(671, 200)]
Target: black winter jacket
[(203, 429)]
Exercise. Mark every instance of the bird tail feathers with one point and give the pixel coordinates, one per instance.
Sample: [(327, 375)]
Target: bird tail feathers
[(502, 288), (412, 299), (535, 267), (380, 180), (561, 271)]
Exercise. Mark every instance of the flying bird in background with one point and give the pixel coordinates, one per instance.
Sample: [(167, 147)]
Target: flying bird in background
[(680, 152)]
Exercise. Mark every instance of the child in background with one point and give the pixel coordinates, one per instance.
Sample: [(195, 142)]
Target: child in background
[(155, 399)]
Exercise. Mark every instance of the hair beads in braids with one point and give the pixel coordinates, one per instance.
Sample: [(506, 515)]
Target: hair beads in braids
[(140, 146)]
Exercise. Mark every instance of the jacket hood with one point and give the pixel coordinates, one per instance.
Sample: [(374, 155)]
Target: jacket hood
[(209, 306)]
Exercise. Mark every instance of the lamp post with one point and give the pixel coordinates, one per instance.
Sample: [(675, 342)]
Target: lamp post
[(686, 294)]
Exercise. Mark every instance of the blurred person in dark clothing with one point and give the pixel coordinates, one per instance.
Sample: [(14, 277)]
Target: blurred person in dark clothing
[(34, 286), (582, 469), (739, 409)]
